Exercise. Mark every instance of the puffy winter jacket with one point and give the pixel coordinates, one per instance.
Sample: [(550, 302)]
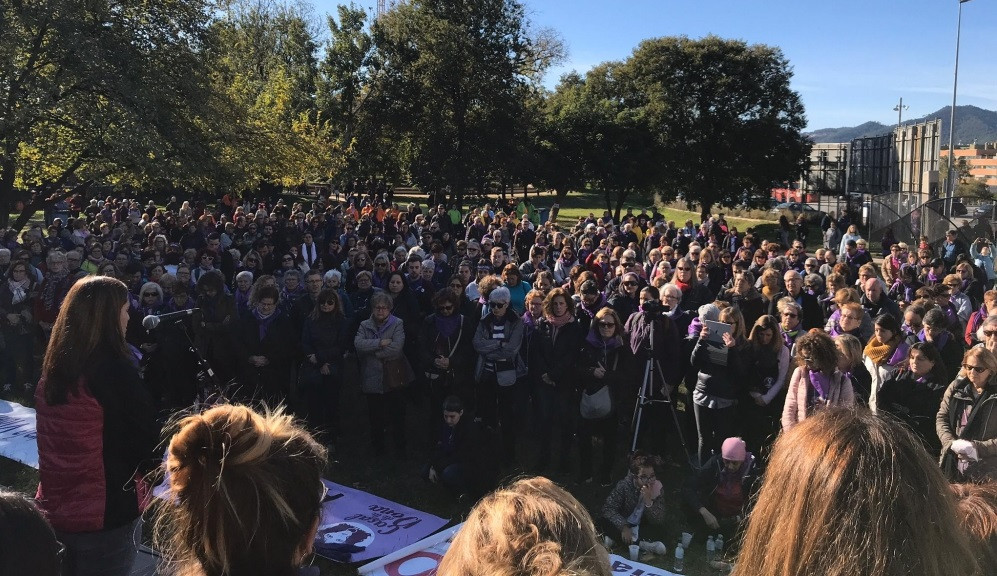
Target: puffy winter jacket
[(94, 449)]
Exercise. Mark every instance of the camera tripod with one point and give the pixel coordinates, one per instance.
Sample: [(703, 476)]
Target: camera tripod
[(645, 396)]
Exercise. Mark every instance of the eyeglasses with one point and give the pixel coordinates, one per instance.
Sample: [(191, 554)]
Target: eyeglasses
[(609, 324), (497, 305), (974, 369), (684, 268), (445, 309), (207, 257), (329, 303), (150, 295), (644, 479), (629, 283)]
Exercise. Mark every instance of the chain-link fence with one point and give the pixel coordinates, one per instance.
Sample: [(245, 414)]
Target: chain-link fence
[(911, 220)]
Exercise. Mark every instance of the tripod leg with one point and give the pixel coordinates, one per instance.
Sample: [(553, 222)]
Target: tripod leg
[(675, 416), (643, 394)]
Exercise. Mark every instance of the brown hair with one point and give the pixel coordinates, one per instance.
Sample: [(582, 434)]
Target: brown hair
[(557, 293), (847, 493), (246, 491), (530, 528), (978, 509), (86, 332), (817, 345)]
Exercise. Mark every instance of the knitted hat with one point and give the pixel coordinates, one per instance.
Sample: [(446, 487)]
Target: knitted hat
[(734, 449)]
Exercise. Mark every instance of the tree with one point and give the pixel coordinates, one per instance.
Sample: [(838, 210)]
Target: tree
[(98, 90), (726, 118), (453, 81), (600, 138), (265, 73)]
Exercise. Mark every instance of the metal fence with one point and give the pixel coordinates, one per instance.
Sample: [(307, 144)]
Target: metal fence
[(910, 220)]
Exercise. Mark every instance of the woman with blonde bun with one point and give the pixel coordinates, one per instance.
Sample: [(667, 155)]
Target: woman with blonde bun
[(531, 528), (246, 495)]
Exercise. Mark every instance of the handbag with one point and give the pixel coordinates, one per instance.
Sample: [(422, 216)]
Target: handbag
[(396, 373), (597, 404)]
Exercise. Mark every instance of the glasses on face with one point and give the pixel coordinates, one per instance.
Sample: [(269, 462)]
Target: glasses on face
[(329, 303), (684, 268), (497, 305), (448, 308), (645, 478), (974, 369), (150, 295), (607, 324), (208, 258), (629, 283)]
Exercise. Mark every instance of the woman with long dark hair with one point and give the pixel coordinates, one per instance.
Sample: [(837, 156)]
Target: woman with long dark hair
[(767, 363), (17, 296), (97, 430), (604, 363), (914, 392), (324, 342)]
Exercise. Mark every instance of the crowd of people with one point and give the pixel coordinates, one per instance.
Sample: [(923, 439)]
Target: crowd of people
[(537, 340)]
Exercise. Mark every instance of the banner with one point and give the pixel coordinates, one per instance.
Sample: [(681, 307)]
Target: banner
[(422, 559), (358, 526), (18, 440)]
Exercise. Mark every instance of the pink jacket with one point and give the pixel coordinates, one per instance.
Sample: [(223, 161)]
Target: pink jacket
[(795, 410)]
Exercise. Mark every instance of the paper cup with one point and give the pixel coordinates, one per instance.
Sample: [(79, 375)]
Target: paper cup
[(686, 539), (634, 552)]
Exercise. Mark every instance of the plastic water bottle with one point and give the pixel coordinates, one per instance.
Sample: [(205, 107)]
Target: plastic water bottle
[(635, 530), (719, 545), (711, 549), (679, 567)]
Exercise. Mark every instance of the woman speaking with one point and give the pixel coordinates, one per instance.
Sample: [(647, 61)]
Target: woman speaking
[(97, 431)]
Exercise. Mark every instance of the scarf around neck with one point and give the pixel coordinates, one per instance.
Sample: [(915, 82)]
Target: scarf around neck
[(562, 320), (447, 325), (821, 383), (877, 351)]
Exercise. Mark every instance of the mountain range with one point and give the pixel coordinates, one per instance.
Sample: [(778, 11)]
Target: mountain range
[(972, 124)]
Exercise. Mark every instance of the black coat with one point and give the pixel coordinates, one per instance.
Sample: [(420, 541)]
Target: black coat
[(813, 315)]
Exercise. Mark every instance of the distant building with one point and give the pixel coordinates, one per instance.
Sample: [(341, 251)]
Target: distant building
[(981, 159)]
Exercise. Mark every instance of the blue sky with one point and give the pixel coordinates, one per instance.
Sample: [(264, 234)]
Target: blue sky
[(852, 60)]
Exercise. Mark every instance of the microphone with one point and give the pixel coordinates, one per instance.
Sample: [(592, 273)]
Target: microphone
[(151, 321)]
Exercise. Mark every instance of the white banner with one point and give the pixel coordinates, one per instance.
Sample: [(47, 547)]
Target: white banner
[(18, 439)]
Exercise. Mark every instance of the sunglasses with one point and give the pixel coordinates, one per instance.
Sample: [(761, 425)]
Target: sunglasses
[(607, 324), (684, 268), (497, 305), (974, 369), (445, 309)]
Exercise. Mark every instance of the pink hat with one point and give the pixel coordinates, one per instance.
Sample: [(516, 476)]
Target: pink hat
[(734, 449)]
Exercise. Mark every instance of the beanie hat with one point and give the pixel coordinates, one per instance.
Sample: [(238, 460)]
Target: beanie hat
[(734, 449)]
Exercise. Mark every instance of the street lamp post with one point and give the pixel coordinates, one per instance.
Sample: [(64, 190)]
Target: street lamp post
[(950, 185), (899, 109)]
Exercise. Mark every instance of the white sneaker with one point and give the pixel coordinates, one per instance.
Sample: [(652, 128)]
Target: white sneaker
[(656, 547)]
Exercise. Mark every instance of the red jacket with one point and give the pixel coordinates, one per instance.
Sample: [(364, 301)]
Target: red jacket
[(94, 449)]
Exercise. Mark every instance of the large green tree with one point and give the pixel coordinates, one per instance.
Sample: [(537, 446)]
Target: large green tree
[(262, 55), (454, 80), (726, 118), (594, 135), (98, 90)]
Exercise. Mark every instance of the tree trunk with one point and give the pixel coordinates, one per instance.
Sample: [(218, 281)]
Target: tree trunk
[(704, 211), (621, 198)]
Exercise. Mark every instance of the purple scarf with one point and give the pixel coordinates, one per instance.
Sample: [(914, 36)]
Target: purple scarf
[(383, 329), (821, 383), (595, 308), (447, 326), (264, 322)]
